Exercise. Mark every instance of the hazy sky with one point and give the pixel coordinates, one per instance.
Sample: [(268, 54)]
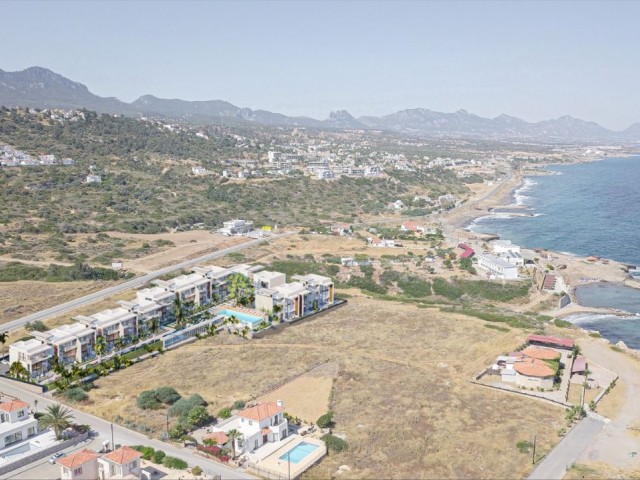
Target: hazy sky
[(532, 60)]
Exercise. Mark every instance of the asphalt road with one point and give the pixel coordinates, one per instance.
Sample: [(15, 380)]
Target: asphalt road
[(124, 436), (555, 465), (134, 283)]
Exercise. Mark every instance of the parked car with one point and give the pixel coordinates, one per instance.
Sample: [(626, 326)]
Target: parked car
[(55, 457)]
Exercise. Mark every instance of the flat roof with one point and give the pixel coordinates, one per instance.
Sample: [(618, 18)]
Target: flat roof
[(497, 261), (563, 342)]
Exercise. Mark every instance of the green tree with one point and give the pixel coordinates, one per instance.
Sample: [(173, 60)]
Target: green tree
[(17, 370), (198, 416), (57, 418), (241, 289), (100, 346), (179, 311), (3, 340)]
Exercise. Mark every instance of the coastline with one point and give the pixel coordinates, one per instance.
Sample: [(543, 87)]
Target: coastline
[(577, 270)]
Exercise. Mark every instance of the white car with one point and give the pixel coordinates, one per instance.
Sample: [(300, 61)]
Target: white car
[(55, 457)]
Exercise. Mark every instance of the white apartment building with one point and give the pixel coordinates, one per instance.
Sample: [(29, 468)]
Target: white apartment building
[(71, 343), (268, 279), (112, 324), (34, 355), (288, 297), (192, 288), (321, 292), (497, 267), (16, 424)]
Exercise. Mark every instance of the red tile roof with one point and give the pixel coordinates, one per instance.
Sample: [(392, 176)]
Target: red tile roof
[(532, 367), (261, 411), (541, 353), (468, 251), (79, 458), (579, 365), (123, 455), (220, 437), (13, 405), (561, 342)]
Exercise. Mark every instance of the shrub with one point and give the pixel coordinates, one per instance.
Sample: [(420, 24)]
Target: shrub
[(158, 457), (335, 443), (167, 395), (198, 416), (147, 400), (76, 394), (176, 463), (147, 452), (523, 446), (326, 420), (182, 407), (224, 413), (38, 326), (177, 430), (238, 405), (196, 471)]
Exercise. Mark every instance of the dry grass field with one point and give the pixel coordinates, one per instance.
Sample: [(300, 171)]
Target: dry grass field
[(599, 470), (18, 299), (401, 396)]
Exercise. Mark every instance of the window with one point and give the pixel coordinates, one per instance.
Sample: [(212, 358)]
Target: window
[(250, 422), (78, 471), (256, 444), (20, 413)]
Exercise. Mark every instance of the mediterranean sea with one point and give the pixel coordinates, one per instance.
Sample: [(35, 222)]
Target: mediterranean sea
[(584, 209)]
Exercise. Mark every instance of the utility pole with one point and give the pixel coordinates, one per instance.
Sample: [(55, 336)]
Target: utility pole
[(533, 457), (113, 445)]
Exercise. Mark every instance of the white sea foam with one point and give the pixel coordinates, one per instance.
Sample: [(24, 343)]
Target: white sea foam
[(518, 194), (581, 318)]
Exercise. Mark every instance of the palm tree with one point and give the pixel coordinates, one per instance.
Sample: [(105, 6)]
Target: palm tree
[(3, 340), (179, 312), (17, 370), (56, 417), (100, 346), (233, 435)]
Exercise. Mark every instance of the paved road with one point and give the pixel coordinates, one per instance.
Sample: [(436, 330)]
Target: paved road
[(136, 282), (555, 465), (124, 436)]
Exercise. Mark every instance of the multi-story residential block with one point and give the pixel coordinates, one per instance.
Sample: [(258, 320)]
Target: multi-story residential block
[(16, 424), (192, 288), (71, 343), (161, 297), (497, 267), (112, 324), (35, 355), (268, 279), (287, 301), (320, 288)]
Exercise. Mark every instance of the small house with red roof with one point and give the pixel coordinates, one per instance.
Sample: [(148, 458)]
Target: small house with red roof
[(123, 462), (553, 342), (81, 465), (16, 423), (467, 251), (259, 424)]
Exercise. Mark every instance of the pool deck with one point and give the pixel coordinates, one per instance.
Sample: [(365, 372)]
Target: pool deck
[(272, 462), (243, 310)]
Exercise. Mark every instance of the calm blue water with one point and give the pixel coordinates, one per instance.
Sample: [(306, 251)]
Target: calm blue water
[(243, 317), (586, 209), (298, 452)]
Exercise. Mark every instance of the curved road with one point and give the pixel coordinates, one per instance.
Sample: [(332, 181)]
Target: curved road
[(134, 283)]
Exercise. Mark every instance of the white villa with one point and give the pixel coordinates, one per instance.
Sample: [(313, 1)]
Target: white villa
[(34, 355), (504, 246), (260, 424), (497, 267), (236, 227), (16, 424)]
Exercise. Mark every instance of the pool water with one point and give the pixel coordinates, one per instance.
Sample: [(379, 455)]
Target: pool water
[(299, 452), (18, 450), (243, 317)]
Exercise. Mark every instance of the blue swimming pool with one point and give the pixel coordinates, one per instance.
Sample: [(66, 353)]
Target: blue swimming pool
[(243, 317), (18, 450), (299, 452)]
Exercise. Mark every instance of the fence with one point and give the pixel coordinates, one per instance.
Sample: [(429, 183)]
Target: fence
[(266, 472), (45, 452)]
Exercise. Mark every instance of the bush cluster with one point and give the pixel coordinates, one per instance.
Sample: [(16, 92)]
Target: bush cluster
[(76, 394), (335, 443), (154, 399)]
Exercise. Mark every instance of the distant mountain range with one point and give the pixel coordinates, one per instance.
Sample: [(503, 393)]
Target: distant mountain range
[(39, 87)]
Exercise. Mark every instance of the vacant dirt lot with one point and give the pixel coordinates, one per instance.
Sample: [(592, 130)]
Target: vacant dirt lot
[(296, 397), (401, 397)]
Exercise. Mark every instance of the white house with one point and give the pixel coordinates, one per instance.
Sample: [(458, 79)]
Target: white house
[(94, 178), (259, 424), (504, 246), (16, 424), (497, 267), (81, 465), (236, 227), (34, 355), (121, 463)]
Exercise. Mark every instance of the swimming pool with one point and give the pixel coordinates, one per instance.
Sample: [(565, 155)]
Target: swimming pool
[(299, 452), (243, 317), (18, 450)]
